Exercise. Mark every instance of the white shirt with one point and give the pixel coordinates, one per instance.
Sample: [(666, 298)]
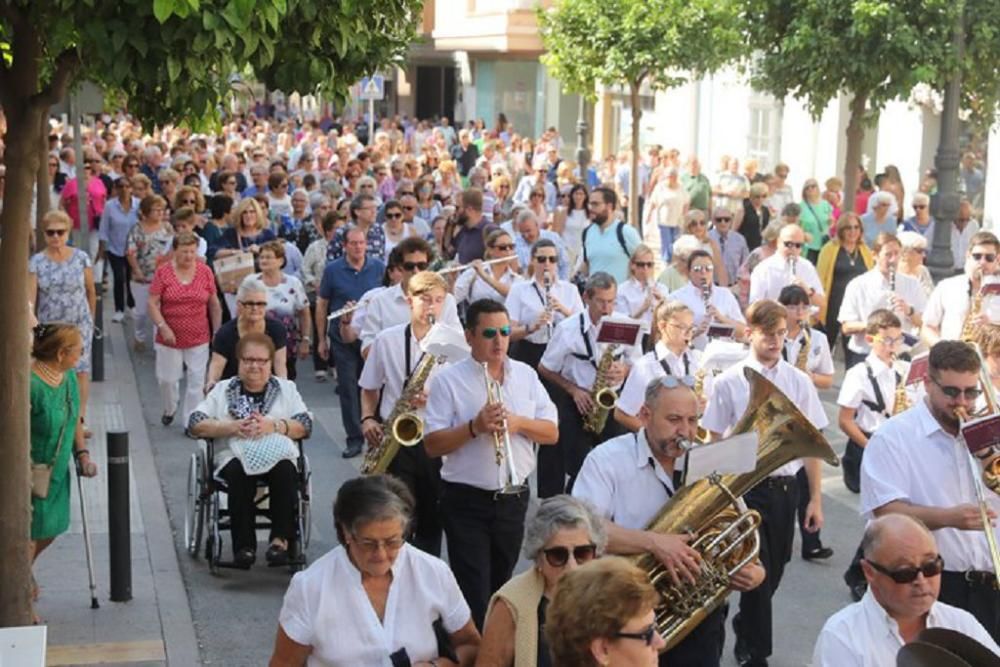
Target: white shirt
[(771, 275), (459, 393), (326, 607), (385, 368), (632, 294), (650, 366), (470, 287), (567, 341), (389, 308), (864, 635), (869, 292), (948, 305), (360, 315), (857, 388), (526, 303), (721, 299), (911, 458), (624, 482), (819, 360), (731, 395), (960, 242)]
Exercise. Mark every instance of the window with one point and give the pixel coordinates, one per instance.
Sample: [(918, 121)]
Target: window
[(764, 132)]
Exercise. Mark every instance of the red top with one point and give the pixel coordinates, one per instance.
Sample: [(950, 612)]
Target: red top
[(184, 307)]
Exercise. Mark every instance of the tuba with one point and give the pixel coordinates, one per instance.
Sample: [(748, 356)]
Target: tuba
[(601, 395), (725, 534)]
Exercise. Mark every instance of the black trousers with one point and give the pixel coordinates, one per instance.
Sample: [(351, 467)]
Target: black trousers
[(484, 532), (120, 272), (810, 541), (422, 476), (527, 352), (980, 598), (703, 647), (348, 360), (319, 363), (242, 488), (776, 498), (851, 461)]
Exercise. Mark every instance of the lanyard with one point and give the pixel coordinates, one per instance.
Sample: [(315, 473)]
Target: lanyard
[(678, 477), (586, 341), (684, 358), (784, 348), (406, 348), (878, 405)]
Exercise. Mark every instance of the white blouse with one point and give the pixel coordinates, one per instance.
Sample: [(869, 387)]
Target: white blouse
[(326, 607)]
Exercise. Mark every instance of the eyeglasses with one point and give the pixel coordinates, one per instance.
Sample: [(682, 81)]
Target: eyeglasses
[(702, 268), (189, 202), (550, 259), (891, 341), (55, 232), (409, 208), (919, 207), (723, 219), (971, 393), (672, 381), (848, 228), (415, 266), (255, 361), (697, 223), (538, 195), (559, 556), (393, 216), (644, 265), (793, 244), (254, 304), (979, 256), (646, 635), (372, 546), (503, 246), (919, 251), (489, 333), (907, 575)]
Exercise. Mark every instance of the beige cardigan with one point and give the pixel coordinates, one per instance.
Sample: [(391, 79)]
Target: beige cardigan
[(522, 595)]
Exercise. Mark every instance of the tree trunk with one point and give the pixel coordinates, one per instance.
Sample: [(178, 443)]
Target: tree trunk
[(633, 177), (42, 184), (855, 135), (22, 159)]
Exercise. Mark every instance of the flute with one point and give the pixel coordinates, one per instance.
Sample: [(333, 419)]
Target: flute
[(461, 267)]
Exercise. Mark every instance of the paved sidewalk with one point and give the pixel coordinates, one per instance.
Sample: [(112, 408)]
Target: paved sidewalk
[(155, 627)]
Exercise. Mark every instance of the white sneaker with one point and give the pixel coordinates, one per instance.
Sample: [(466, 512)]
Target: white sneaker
[(118, 317), (320, 376)]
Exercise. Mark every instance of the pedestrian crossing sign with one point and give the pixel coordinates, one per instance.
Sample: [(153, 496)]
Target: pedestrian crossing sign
[(373, 88)]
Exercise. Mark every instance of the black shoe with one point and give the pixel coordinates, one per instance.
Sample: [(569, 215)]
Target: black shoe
[(352, 451), (752, 662), (852, 483), (819, 553), (276, 556), (244, 558), (167, 420), (858, 590)]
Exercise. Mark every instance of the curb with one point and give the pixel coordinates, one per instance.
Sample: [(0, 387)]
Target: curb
[(179, 639)]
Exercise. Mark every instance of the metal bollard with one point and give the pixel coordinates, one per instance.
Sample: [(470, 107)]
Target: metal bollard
[(119, 529), (97, 345)]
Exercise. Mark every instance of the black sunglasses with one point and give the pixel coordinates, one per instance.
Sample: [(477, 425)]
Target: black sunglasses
[(393, 216), (907, 575), (646, 635), (793, 244), (559, 556), (55, 232), (254, 304), (503, 246), (644, 265), (988, 256), (723, 219), (971, 393), (489, 333), (415, 266), (542, 259)]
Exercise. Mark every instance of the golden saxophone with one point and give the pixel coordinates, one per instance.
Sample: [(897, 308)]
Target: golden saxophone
[(901, 401), (602, 396), (803, 357), (724, 534), (975, 306), (403, 426)]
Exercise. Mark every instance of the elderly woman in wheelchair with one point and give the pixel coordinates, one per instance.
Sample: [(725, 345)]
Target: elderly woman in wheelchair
[(255, 420)]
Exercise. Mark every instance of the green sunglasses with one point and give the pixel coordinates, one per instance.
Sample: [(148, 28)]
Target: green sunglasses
[(491, 332)]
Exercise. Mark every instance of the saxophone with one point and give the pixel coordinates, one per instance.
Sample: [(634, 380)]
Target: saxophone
[(404, 427), (601, 395), (803, 356), (968, 325), (900, 402)]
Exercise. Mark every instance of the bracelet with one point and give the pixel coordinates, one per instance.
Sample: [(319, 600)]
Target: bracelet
[(364, 419), (284, 423), (77, 453), (471, 432), (162, 324), (306, 339)]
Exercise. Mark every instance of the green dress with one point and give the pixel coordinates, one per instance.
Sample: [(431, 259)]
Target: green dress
[(49, 411)]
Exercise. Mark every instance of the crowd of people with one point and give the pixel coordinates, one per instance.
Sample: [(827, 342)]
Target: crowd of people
[(243, 258)]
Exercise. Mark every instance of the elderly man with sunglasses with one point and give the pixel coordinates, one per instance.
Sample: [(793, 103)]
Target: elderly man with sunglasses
[(786, 267), (903, 568), (630, 478), (917, 464), (948, 305)]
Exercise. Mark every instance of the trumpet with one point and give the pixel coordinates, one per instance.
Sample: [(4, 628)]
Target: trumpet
[(487, 262), (501, 441), (790, 261)]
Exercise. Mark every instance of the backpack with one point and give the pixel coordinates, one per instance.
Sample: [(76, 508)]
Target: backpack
[(619, 231)]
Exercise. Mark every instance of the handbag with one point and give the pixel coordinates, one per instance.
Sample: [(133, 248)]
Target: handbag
[(41, 473), (230, 271)]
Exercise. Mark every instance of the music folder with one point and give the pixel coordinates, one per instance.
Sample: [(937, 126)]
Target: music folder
[(919, 366), (983, 433), (734, 455), (618, 330)]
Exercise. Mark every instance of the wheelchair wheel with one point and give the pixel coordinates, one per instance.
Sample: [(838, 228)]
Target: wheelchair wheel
[(305, 494), (213, 545), (194, 511)]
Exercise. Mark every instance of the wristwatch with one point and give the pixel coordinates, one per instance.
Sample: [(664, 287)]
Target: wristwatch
[(306, 339)]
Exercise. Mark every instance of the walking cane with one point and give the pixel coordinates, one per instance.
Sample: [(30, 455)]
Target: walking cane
[(86, 538)]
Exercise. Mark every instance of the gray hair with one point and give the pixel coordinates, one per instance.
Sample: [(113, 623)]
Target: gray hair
[(151, 153), (316, 199), (920, 198), (875, 531), (371, 498), (882, 197), (300, 194), (685, 245), (332, 188), (599, 280), (524, 215), (912, 240), (561, 513), (250, 285)]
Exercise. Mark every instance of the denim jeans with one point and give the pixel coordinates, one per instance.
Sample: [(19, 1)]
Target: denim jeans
[(667, 237), (348, 361)]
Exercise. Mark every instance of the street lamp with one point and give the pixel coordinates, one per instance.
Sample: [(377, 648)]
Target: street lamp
[(582, 154)]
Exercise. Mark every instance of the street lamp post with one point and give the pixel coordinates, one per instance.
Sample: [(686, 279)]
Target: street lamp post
[(941, 261), (582, 153)]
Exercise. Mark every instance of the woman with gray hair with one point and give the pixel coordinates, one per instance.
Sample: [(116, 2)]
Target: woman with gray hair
[(911, 261), (564, 534), (374, 600)]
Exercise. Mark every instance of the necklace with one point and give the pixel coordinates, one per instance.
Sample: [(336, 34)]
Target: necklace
[(852, 256), (49, 375)]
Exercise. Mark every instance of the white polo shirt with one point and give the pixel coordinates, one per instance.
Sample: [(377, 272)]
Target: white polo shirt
[(567, 352), (772, 275), (721, 299), (386, 368), (948, 305), (358, 318), (526, 303), (911, 458), (857, 388), (864, 635), (731, 395), (624, 482), (819, 360), (650, 366), (459, 393), (632, 294), (869, 292), (470, 287), (326, 607), (389, 308)]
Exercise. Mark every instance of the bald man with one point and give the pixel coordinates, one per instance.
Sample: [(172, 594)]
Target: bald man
[(903, 569), (786, 267)]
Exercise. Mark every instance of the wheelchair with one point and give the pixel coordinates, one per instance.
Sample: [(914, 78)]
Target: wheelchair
[(205, 511)]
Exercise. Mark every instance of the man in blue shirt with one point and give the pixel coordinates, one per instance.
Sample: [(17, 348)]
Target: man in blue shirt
[(344, 281), (608, 244)]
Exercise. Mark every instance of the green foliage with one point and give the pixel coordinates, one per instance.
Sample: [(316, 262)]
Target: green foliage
[(981, 64), (627, 42)]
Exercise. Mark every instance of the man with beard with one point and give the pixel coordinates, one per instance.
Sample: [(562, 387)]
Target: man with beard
[(915, 464), (608, 243), (630, 478)]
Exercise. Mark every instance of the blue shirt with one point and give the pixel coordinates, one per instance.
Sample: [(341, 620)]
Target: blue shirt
[(605, 253), (910, 225), (293, 260), (342, 282), (375, 249), (115, 225), (873, 229), (523, 248)]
